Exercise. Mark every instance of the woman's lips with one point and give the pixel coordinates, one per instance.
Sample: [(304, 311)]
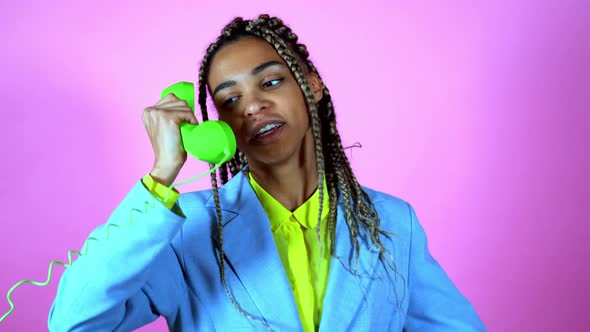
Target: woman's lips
[(270, 136)]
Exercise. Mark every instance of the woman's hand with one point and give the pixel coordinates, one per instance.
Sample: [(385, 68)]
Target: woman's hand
[(162, 122)]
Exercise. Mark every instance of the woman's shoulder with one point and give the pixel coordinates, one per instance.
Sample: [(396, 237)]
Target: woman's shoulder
[(197, 202), (197, 196), (388, 201), (380, 196), (395, 213)]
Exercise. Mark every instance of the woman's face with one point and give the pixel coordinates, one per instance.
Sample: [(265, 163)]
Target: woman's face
[(254, 91)]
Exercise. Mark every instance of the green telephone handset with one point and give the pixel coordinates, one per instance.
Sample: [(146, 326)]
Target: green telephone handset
[(210, 141)]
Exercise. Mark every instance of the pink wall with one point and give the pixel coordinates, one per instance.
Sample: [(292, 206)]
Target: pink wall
[(477, 114)]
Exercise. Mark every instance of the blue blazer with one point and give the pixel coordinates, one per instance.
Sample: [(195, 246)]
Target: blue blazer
[(164, 264)]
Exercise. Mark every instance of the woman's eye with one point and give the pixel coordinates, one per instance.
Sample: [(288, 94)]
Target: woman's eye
[(229, 100), (266, 84)]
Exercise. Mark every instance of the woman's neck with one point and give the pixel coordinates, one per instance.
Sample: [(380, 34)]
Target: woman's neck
[(292, 182)]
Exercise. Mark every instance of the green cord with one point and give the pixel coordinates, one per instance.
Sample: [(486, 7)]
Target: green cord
[(85, 245)]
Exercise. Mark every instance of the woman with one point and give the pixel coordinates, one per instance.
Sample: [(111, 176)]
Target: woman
[(292, 242)]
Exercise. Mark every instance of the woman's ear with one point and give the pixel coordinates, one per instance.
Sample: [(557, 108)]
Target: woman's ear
[(316, 86)]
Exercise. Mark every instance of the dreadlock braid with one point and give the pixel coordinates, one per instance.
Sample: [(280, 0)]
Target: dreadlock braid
[(364, 209), (332, 163), (283, 50)]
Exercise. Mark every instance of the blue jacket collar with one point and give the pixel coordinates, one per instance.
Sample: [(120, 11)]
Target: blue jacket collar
[(250, 251)]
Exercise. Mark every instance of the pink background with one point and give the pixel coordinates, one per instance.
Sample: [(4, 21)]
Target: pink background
[(476, 113)]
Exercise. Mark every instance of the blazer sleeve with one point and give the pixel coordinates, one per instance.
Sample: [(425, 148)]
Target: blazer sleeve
[(435, 304), (128, 280)]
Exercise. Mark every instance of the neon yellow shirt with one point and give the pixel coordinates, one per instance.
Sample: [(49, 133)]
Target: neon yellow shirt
[(159, 191), (296, 241)]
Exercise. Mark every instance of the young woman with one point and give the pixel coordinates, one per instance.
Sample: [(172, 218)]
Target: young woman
[(291, 242)]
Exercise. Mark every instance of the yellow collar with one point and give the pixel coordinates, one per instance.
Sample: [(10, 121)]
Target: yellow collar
[(306, 214)]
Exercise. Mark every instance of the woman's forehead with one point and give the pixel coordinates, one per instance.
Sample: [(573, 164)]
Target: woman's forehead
[(239, 58)]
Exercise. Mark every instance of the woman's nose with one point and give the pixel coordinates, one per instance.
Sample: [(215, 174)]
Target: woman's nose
[(253, 104)]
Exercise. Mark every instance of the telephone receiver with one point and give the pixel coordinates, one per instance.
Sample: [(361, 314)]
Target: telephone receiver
[(211, 141)]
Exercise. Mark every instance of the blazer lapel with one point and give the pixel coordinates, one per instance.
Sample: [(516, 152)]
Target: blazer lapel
[(345, 293), (250, 250)]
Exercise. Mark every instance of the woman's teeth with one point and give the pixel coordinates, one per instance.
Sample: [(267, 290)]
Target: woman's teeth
[(267, 129)]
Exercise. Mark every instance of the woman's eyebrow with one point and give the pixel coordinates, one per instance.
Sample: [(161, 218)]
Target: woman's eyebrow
[(265, 65), (254, 71)]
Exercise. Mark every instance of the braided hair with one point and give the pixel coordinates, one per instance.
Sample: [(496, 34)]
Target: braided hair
[(332, 162)]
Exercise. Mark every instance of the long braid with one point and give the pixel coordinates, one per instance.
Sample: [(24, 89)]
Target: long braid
[(223, 176), (364, 210), (332, 162), (283, 50)]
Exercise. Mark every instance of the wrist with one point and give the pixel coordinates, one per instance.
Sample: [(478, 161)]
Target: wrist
[(164, 178), (167, 195)]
